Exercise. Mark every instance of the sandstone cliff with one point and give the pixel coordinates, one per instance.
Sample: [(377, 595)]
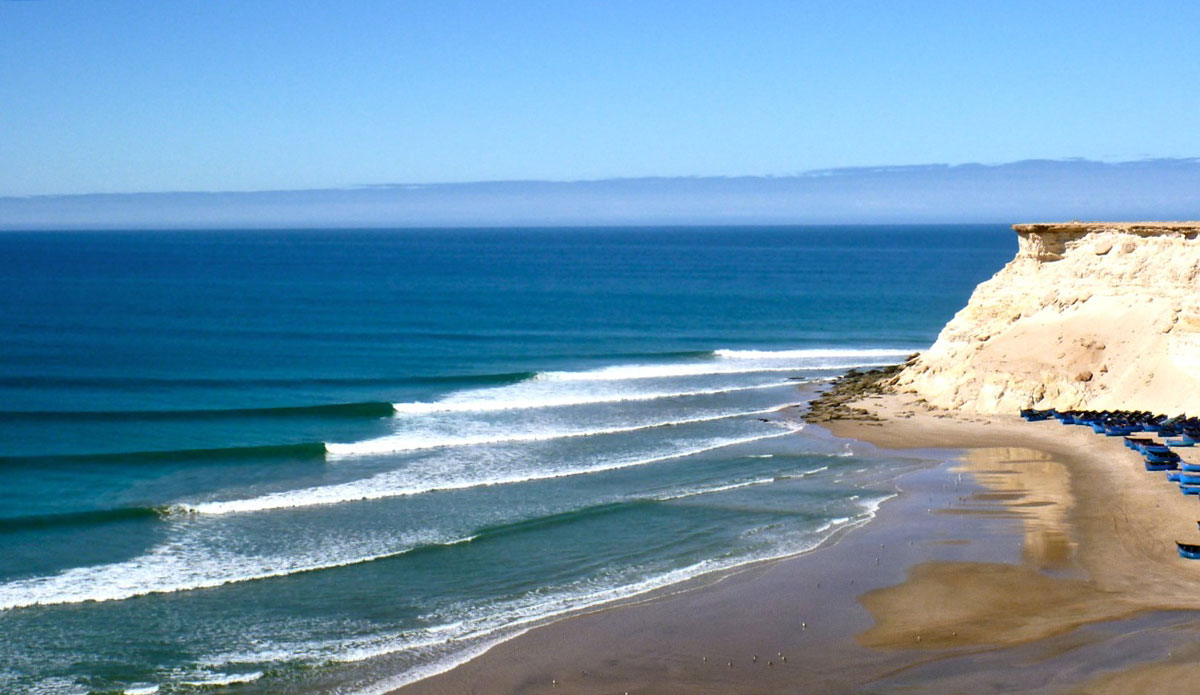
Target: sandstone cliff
[(1088, 315)]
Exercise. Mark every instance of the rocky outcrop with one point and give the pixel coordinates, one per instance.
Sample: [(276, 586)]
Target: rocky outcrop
[(837, 402), (1087, 315)]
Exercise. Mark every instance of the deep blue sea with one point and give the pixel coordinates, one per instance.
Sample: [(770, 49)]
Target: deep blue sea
[(337, 461)]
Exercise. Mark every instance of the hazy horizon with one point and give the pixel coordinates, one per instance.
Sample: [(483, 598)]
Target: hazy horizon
[(1032, 190)]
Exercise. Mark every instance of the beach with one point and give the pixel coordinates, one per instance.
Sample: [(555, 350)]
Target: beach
[(1033, 558)]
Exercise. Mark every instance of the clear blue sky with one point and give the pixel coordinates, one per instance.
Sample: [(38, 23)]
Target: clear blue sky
[(99, 96)]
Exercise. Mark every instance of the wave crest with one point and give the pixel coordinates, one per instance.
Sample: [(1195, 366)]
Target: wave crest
[(394, 444), (403, 484)]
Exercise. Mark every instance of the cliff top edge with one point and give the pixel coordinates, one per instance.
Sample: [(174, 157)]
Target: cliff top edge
[(1076, 227)]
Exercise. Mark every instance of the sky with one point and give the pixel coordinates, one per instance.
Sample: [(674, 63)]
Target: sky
[(99, 96)]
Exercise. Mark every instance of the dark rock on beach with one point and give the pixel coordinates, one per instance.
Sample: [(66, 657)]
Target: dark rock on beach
[(851, 387)]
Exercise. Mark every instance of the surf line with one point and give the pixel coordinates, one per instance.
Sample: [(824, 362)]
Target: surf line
[(383, 486), (399, 444), (486, 406)]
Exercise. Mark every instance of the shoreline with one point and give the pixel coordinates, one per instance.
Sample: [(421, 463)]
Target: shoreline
[(669, 639), (698, 582)]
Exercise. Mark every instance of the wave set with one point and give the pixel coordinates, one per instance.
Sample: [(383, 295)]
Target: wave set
[(541, 452)]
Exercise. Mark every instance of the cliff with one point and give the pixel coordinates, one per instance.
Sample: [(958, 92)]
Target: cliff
[(1089, 315)]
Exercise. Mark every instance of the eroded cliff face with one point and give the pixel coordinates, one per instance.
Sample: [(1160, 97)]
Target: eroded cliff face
[(1088, 315)]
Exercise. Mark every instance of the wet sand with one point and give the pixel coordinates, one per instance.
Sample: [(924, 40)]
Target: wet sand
[(1035, 558)]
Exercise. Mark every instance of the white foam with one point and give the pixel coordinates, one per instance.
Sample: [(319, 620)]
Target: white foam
[(57, 685), (220, 680), (737, 362), (696, 492), (141, 690), (187, 564), (512, 398), (430, 670), (841, 354), (663, 371), (405, 483), (394, 444), (805, 474), (872, 505), (832, 523)]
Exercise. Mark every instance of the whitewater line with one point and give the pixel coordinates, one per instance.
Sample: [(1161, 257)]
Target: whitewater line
[(401, 443), (814, 353), (698, 492), (71, 586), (480, 406), (375, 487), (648, 371)]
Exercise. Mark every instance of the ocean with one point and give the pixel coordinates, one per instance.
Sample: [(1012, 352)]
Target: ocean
[(336, 461)]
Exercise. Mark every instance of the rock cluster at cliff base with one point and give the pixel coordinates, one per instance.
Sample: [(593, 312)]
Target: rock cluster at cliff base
[(854, 385), (1087, 315)]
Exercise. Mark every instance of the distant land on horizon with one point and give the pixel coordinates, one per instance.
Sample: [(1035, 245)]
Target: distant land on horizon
[(1025, 191)]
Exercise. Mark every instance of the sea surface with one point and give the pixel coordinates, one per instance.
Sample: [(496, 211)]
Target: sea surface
[(336, 461)]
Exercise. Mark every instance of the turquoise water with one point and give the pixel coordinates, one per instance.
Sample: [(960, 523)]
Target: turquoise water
[(334, 461)]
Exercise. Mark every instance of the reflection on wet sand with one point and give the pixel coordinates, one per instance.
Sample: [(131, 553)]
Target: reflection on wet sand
[(1028, 485), (945, 604)]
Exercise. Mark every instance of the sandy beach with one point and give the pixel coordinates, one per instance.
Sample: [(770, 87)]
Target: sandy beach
[(1030, 557)]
